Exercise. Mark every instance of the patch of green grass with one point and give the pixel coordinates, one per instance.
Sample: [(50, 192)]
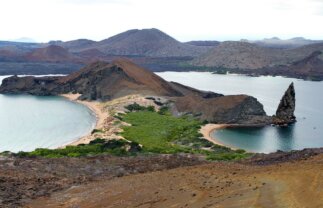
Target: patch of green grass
[(156, 132), (164, 133), (227, 156), (95, 147)]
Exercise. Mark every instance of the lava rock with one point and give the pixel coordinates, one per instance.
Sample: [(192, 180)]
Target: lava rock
[(285, 111)]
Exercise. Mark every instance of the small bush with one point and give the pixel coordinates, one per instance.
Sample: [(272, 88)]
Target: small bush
[(150, 108), (240, 151), (163, 110), (134, 107), (96, 131), (96, 141)]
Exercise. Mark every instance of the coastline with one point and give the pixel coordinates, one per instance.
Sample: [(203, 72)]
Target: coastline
[(207, 129), (96, 108)]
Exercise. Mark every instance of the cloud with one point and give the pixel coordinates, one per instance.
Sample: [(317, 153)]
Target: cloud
[(185, 20)]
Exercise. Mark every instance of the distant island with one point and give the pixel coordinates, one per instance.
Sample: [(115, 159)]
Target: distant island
[(157, 51)]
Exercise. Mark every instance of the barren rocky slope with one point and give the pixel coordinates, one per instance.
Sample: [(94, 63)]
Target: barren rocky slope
[(52, 53), (280, 43), (278, 179), (73, 45), (243, 55), (24, 179)]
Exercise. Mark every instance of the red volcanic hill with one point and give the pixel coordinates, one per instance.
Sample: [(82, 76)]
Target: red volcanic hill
[(51, 53), (146, 42), (101, 80)]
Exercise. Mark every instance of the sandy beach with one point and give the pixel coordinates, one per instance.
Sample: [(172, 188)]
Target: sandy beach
[(104, 121), (97, 108), (207, 129)]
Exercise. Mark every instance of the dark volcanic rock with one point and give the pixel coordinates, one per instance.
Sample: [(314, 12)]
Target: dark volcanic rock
[(30, 85), (286, 108), (234, 109)]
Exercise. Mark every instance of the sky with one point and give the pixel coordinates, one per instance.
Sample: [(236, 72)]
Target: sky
[(185, 20)]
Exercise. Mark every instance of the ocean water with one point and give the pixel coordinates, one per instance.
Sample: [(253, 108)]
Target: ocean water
[(306, 133), (29, 122)]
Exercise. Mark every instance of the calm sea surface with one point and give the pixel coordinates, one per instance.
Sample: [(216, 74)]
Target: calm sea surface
[(28, 122), (307, 132)]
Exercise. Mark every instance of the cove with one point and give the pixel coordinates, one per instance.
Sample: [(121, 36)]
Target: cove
[(28, 122), (306, 133)]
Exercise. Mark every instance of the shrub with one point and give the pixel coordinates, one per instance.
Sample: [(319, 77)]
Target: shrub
[(150, 108), (95, 147), (134, 107), (163, 110), (96, 131)]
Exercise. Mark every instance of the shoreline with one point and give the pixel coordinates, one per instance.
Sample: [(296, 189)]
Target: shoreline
[(98, 111), (207, 129)]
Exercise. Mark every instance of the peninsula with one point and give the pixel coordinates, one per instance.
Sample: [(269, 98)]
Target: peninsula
[(107, 81)]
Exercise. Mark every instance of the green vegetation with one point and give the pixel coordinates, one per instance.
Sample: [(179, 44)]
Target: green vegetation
[(97, 146), (150, 132), (96, 131), (160, 132), (137, 107)]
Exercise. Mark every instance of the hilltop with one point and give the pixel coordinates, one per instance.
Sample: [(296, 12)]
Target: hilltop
[(146, 42)]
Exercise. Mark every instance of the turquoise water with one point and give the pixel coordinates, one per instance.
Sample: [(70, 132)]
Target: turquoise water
[(307, 132), (28, 122)]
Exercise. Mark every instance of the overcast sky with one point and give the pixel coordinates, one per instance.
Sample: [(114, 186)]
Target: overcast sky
[(44, 20)]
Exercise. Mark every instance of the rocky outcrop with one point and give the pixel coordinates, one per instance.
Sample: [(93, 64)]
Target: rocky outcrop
[(285, 111), (234, 109), (43, 86)]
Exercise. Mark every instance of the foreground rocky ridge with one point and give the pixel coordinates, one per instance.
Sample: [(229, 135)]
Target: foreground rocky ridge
[(24, 179), (107, 81), (87, 181)]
